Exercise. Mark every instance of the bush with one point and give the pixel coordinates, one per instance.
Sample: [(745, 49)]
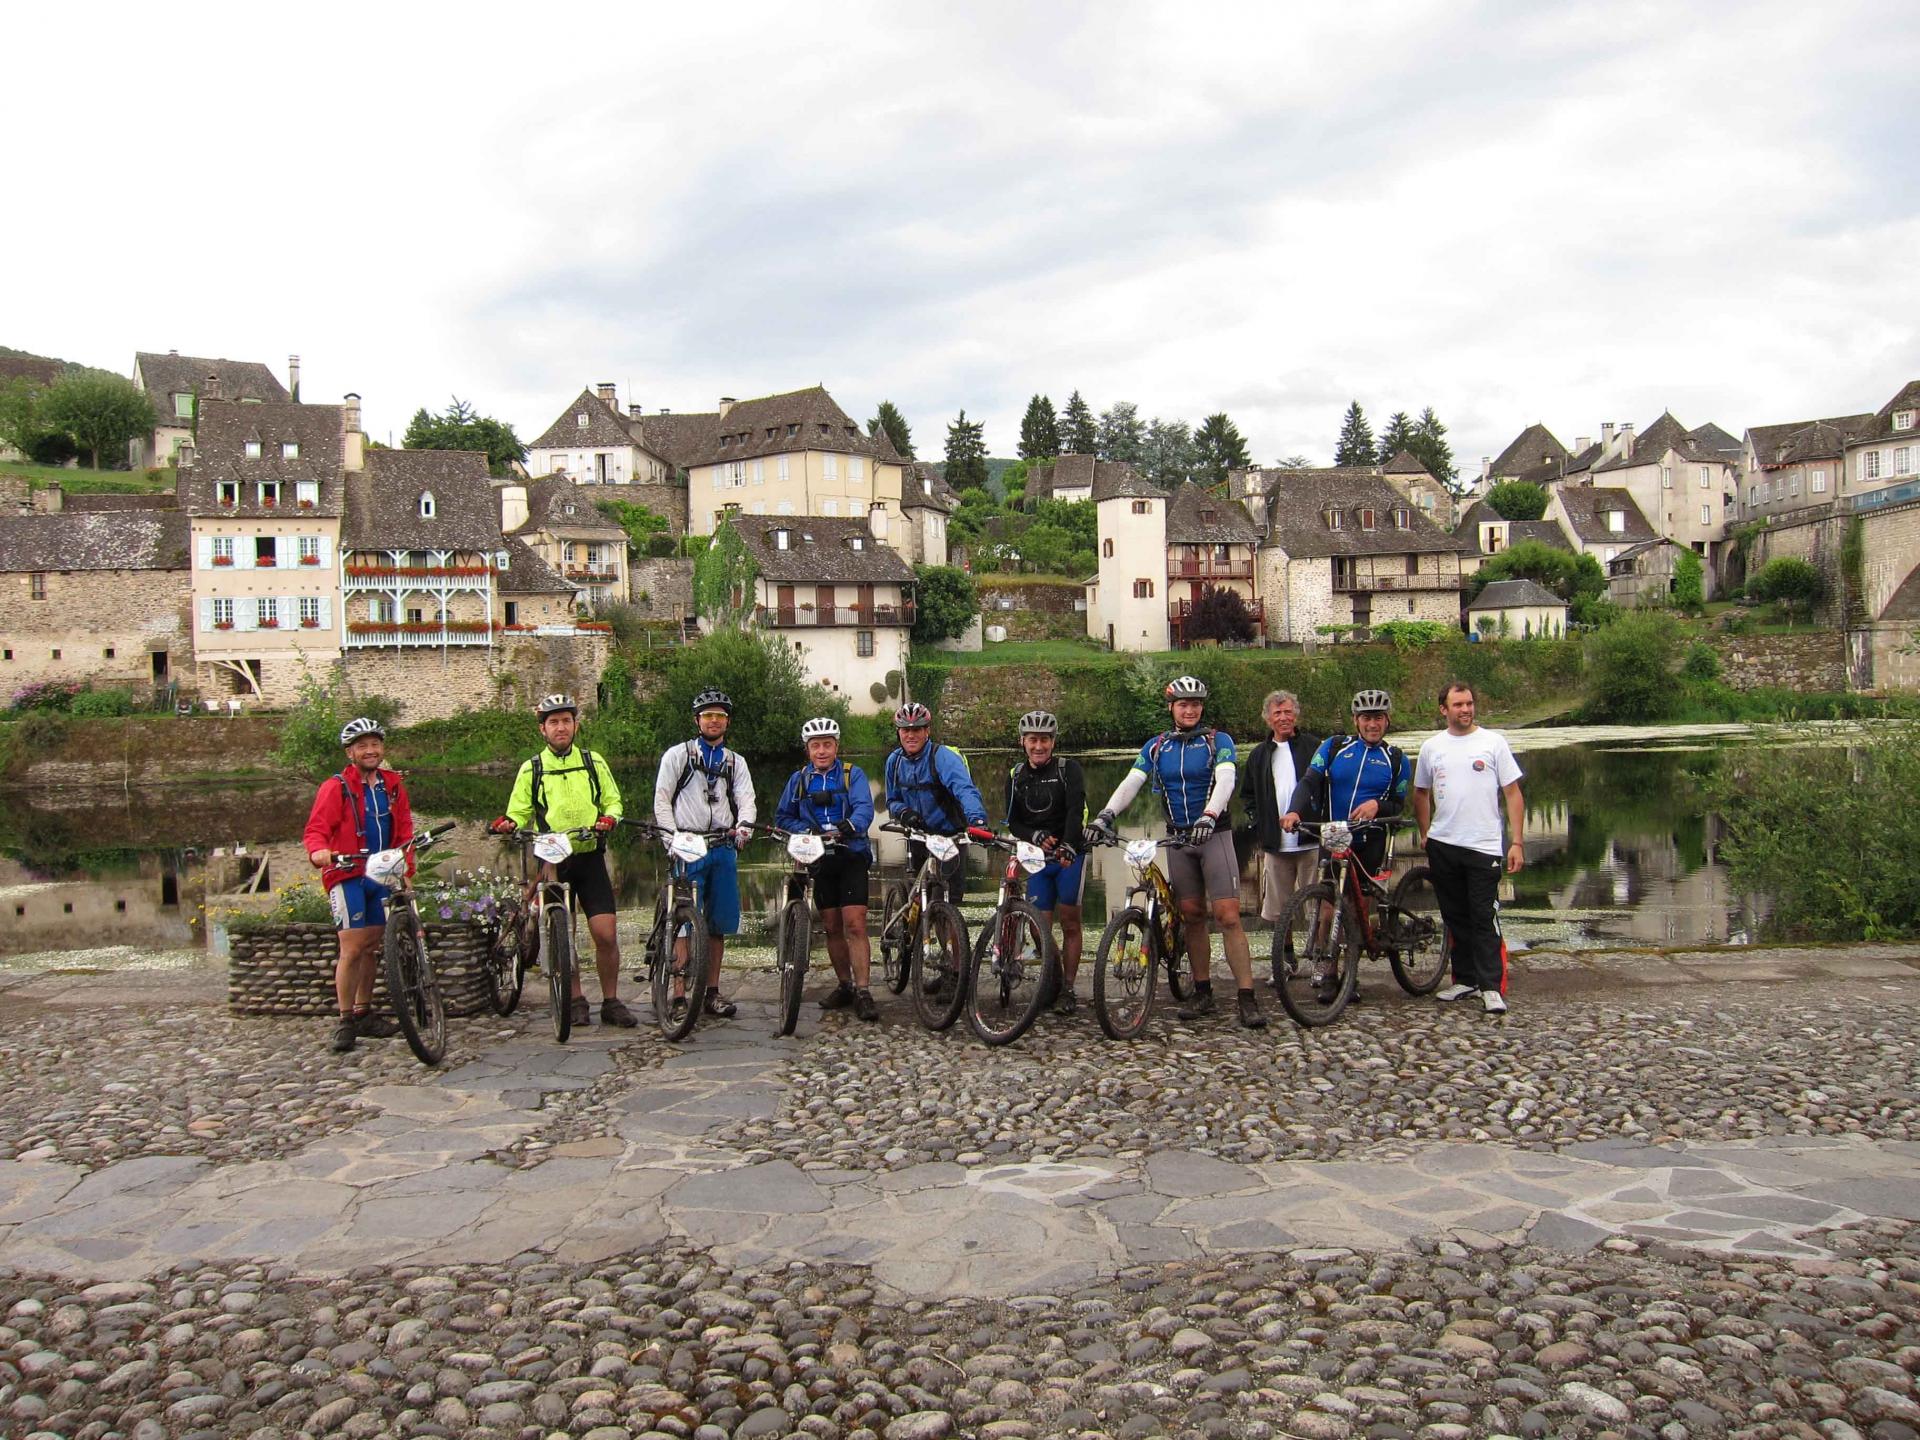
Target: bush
[(1822, 837), (304, 903), (1220, 614), (629, 622), (1517, 500), (1702, 662), (41, 729), (310, 738), (1689, 582), (1630, 669), (1792, 584), (104, 702), (47, 695), (1415, 634), (946, 603), (766, 679), (662, 546)]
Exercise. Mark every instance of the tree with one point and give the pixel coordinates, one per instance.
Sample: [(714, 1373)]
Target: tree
[(946, 603), (899, 433), (765, 676), (966, 463), (1355, 445), (640, 523), (1573, 578), (1122, 435), (1293, 462), (1396, 437), (1219, 614), (97, 411), (1429, 446), (723, 580), (1218, 447), (463, 428), (1630, 669), (1039, 430), (20, 424), (1689, 582), (1517, 500), (1168, 455), (1077, 433), (1789, 582)]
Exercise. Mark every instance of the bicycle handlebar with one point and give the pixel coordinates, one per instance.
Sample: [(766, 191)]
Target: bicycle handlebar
[(417, 842), (894, 827)]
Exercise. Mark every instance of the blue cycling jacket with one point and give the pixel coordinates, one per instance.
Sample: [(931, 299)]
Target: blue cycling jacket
[(817, 800), (935, 784)]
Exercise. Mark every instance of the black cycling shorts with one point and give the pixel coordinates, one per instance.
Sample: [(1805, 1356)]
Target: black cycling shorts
[(840, 880), (592, 885)]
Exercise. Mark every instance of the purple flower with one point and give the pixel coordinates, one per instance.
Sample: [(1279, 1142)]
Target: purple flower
[(446, 912)]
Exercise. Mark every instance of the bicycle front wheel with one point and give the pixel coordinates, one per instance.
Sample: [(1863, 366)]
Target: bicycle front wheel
[(679, 982), (411, 986), (558, 964), (896, 939), (1125, 973), (506, 967), (940, 965), (1010, 973), (1316, 955), (796, 940), (1420, 948)]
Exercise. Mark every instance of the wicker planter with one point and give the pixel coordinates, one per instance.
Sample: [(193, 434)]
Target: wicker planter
[(288, 970)]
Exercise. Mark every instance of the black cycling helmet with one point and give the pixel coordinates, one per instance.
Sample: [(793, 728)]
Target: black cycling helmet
[(1187, 687), (713, 700)]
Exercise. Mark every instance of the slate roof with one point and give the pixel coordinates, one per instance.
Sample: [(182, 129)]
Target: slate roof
[(604, 427), (1799, 441), (156, 500), (1064, 472), (558, 506), (1297, 502), (1663, 435), (528, 574), (163, 375), (1547, 532), (818, 552), (1907, 399), (1197, 517), (383, 502), (1711, 437), (1622, 562), (1534, 455), (1585, 460), (1117, 480), (676, 438), (1405, 464), (94, 540), (924, 486), (220, 454), (760, 427), (1513, 595), (1587, 507)]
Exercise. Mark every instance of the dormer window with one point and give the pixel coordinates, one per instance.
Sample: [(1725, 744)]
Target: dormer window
[(1335, 520), (792, 430), (307, 494), (1903, 419), (856, 542), (1207, 517), (1366, 517), (783, 539), (1616, 522), (270, 493), (253, 449), (580, 419), (426, 505), (289, 449), (183, 404), (825, 429), (1402, 518), (227, 492)]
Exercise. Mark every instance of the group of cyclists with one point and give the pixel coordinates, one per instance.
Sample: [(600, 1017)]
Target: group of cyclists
[(1192, 769)]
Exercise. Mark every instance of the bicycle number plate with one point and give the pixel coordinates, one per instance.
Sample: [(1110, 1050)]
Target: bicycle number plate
[(941, 847), (806, 848), (553, 848), (387, 867), (1140, 853), (687, 847), (1031, 857)]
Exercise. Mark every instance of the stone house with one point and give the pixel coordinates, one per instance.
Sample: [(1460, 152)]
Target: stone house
[(1126, 606), (94, 595), (559, 522), (1684, 481), (594, 442), (1489, 532), (175, 382), (1883, 455), (1211, 542), (1517, 609), (1785, 467), (1428, 495), (1599, 520), (1065, 477), (926, 502), (839, 594), (1643, 574)]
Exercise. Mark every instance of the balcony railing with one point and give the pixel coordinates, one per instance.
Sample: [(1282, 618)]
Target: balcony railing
[(866, 617), (1179, 610), (417, 577), (1347, 584), (1210, 569)]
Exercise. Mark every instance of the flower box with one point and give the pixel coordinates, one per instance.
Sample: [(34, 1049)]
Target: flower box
[(269, 502), (269, 624), (309, 624), (264, 562), (223, 624), (223, 560), (306, 504), (309, 559)]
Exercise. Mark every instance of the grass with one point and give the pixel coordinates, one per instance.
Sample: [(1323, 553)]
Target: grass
[(90, 482), (1015, 652), (1008, 582)]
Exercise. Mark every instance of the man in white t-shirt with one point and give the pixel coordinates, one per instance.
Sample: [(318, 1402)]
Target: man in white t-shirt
[(1462, 776)]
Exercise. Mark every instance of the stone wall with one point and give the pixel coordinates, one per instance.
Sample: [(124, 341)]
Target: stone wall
[(288, 970), (1814, 661), (1034, 612), (665, 581), (667, 500), (94, 625), (519, 669)]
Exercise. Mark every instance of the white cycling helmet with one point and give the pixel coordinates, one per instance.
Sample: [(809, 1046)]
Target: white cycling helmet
[(821, 727), (1187, 687), (554, 704), (1039, 722), (1366, 701), (356, 729)]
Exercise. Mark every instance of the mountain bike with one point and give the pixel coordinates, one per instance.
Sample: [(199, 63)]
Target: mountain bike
[(544, 912), (412, 987), (1143, 938), (1013, 955), (793, 928), (1317, 942), (923, 934), (677, 944)]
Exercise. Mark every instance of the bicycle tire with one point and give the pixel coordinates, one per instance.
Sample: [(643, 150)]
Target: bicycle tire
[(1319, 960), (896, 941), (692, 976), (506, 975), (1420, 945), (1006, 998), (413, 988), (942, 961), (796, 940), (1179, 965), (558, 963), (1126, 972)]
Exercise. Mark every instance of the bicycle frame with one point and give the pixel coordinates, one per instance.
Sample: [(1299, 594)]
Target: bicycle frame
[(1343, 869)]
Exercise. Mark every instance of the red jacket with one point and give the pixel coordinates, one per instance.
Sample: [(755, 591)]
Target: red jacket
[(338, 820)]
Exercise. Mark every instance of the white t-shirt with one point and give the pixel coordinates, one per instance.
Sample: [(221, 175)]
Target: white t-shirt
[(1465, 774), (1283, 782)]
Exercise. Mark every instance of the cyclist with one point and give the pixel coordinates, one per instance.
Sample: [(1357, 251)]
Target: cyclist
[(1191, 767), (830, 796), (1047, 806), (568, 787), (928, 788), (364, 807), (704, 786)]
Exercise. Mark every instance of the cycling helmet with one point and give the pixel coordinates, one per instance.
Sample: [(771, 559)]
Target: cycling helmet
[(1187, 687), (821, 727), (712, 700), (554, 704), (355, 729), (1365, 700), (1039, 722), (911, 716)]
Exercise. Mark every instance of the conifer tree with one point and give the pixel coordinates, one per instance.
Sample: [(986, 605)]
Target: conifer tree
[(889, 419), (1355, 445), (966, 464), (1429, 446), (1077, 433), (1039, 430), (1396, 437), (1218, 447)]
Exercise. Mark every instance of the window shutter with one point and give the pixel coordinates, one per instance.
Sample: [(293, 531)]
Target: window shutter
[(326, 552), (246, 614), (206, 553), (326, 613), (206, 614), (280, 556)]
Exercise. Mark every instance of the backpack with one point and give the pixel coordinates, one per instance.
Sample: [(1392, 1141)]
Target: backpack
[(1396, 757), (1159, 743), (955, 812), (540, 784), (846, 783), (686, 778)]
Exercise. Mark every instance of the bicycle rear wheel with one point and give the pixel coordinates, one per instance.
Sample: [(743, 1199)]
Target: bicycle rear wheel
[(1180, 965), (1125, 973), (1420, 949), (506, 967), (940, 965), (685, 974), (896, 939), (796, 940), (1011, 963), (412, 988), (1316, 953), (558, 963)]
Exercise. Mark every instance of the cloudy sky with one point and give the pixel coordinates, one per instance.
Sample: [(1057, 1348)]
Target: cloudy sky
[(1509, 211)]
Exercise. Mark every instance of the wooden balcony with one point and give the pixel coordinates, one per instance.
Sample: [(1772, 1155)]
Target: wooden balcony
[(869, 617), (1363, 584), (1238, 569)]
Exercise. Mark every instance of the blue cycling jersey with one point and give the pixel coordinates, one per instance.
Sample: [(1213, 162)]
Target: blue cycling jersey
[(1357, 772), (1179, 765)]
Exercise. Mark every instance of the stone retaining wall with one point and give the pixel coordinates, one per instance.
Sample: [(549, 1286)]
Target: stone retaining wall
[(1815, 661), (288, 970), (667, 583)]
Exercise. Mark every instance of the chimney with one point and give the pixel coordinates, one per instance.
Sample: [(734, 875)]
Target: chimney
[(353, 454), (607, 397), (1580, 445), (183, 457), (513, 508), (293, 376), (727, 403), (1626, 438), (1606, 437), (210, 387), (665, 411), (877, 521), (1256, 504), (173, 352), (633, 409), (52, 499), (1486, 467)]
